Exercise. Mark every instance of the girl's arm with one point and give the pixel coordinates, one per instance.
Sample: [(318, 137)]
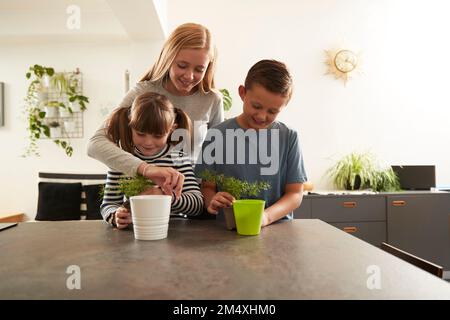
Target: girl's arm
[(191, 199), (112, 197), (291, 200), (104, 150), (217, 115)]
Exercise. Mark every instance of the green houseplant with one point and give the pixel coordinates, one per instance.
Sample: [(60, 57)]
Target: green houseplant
[(239, 189), (131, 187), (37, 107), (227, 100), (357, 171)]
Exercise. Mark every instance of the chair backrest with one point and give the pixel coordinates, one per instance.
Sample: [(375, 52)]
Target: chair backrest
[(418, 262), (90, 185)]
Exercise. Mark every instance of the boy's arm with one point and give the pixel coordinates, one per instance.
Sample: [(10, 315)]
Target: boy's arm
[(291, 200), (215, 200)]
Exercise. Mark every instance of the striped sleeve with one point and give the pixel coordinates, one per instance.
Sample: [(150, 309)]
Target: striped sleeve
[(112, 197), (191, 201)]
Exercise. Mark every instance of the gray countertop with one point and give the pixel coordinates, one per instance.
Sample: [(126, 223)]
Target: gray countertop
[(300, 259)]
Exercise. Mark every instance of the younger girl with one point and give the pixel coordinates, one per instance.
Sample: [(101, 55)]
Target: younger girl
[(144, 130)]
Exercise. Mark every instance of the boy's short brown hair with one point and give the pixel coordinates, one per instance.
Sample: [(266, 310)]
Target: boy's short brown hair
[(273, 75)]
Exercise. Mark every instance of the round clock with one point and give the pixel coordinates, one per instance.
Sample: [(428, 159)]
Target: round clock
[(342, 63), (345, 61)]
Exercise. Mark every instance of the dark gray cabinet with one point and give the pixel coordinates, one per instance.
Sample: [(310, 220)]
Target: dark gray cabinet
[(419, 224), (362, 216), (304, 211)]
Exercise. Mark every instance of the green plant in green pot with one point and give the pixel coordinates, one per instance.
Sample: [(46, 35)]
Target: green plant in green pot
[(245, 214)]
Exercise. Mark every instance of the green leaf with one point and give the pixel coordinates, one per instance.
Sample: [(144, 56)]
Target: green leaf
[(133, 186)]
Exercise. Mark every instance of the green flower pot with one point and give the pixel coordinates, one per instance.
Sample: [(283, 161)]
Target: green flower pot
[(248, 215)]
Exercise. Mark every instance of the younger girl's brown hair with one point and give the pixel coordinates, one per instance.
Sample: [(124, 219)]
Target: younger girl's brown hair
[(150, 113)]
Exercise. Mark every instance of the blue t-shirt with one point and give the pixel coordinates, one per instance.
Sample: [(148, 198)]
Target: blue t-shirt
[(272, 155)]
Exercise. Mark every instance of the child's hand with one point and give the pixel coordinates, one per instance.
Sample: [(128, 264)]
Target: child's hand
[(220, 200), (152, 191), (265, 219), (170, 180), (122, 218)]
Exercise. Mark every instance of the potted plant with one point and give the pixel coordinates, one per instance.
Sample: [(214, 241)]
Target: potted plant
[(69, 126), (150, 213), (243, 210), (52, 109), (55, 129), (357, 171), (133, 186)]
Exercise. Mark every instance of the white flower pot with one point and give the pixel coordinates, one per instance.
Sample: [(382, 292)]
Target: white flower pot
[(55, 132), (75, 106), (64, 113), (69, 126), (43, 96), (51, 112)]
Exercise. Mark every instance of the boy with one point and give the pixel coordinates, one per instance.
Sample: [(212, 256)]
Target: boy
[(267, 90)]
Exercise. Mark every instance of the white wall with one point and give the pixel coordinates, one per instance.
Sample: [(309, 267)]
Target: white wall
[(398, 109), (102, 65)]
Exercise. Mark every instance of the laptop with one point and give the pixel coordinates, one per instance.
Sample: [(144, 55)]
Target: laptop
[(4, 226), (416, 177)]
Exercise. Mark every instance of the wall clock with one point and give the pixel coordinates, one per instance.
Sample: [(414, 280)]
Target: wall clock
[(342, 63)]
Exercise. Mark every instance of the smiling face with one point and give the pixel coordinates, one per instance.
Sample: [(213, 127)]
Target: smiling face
[(187, 71), (261, 107), (149, 144)]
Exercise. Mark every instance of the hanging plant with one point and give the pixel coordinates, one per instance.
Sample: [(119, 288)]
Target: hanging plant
[(44, 79)]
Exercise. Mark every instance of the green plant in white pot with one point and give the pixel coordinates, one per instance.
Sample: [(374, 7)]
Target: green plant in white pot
[(244, 192)]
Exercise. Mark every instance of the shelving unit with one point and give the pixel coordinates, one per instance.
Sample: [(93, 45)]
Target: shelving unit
[(68, 131)]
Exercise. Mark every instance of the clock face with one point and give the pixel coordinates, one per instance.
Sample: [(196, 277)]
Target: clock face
[(345, 61)]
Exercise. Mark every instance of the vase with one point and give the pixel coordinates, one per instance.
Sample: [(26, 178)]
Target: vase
[(55, 132), (150, 215), (248, 215), (230, 222), (69, 126), (51, 112)]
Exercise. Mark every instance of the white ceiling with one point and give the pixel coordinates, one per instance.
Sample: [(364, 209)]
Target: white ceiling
[(28, 20)]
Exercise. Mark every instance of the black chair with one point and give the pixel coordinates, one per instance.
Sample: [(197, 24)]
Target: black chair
[(69, 196), (418, 262)]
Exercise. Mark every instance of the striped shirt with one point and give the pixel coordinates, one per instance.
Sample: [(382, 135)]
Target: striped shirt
[(189, 204)]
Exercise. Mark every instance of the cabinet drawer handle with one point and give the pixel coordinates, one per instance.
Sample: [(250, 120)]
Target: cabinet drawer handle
[(350, 229), (349, 204), (398, 203)]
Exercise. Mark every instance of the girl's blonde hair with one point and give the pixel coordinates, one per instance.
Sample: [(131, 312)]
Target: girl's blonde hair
[(186, 36), (150, 113)]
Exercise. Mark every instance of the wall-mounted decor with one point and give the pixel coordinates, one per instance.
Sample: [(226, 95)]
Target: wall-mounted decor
[(54, 105), (2, 104), (342, 63)]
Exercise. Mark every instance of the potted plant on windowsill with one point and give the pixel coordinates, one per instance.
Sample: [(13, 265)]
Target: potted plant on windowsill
[(246, 207)]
